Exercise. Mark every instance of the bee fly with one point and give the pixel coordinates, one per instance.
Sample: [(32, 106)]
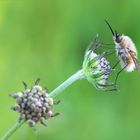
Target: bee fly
[(126, 52)]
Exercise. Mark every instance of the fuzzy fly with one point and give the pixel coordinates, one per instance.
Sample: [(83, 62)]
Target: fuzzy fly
[(126, 52)]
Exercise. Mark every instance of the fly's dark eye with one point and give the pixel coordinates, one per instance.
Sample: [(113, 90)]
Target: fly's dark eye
[(118, 38)]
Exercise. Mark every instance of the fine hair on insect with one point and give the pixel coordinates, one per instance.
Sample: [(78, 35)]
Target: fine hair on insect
[(126, 52)]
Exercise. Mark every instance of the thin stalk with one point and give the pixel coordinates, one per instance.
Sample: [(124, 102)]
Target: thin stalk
[(78, 75), (12, 130)]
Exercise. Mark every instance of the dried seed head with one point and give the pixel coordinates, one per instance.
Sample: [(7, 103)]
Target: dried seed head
[(96, 67), (34, 105)]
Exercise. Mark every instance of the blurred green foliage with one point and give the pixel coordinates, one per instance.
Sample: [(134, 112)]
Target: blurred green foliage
[(47, 39)]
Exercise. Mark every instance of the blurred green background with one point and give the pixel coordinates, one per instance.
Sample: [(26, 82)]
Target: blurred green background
[(47, 39)]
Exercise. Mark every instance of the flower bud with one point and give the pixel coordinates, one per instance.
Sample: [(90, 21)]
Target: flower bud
[(34, 105), (31, 123)]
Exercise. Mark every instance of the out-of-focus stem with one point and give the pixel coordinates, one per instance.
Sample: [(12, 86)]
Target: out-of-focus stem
[(12, 130), (78, 75)]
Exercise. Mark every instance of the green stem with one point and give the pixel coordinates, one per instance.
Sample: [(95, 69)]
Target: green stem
[(12, 130), (78, 75)]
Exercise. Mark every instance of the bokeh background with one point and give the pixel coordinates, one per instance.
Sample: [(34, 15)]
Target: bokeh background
[(47, 39)]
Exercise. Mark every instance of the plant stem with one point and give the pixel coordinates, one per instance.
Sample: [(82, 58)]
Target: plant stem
[(78, 75), (12, 130)]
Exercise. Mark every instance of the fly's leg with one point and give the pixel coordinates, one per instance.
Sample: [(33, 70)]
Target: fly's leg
[(119, 74)]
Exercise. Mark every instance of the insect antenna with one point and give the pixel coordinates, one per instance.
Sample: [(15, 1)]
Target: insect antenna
[(110, 27)]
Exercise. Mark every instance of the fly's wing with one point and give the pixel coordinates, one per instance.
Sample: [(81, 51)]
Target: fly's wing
[(135, 60), (137, 64)]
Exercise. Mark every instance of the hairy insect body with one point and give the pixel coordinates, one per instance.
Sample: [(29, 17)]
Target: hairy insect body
[(126, 51)]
